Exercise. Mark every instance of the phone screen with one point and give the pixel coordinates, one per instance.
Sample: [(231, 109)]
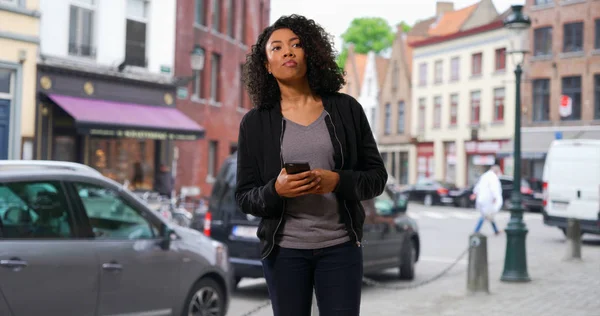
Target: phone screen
[(296, 167)]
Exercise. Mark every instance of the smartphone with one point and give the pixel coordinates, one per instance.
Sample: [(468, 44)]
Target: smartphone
[(296, 167)]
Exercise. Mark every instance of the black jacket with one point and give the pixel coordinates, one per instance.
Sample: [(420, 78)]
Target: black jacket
[(357, 160)]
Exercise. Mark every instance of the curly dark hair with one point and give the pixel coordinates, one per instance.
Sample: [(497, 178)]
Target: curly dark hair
[(323, 73)]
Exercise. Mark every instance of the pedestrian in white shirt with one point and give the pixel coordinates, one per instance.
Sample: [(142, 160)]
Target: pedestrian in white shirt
[(488, 197)]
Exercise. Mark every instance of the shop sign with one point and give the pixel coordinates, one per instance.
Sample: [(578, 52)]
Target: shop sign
[(141, 134), (484, 160)]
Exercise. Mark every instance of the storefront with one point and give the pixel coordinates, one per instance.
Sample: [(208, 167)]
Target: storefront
[(395, 158), (124, 128), (450, 155), (425, 161), (480, 156)]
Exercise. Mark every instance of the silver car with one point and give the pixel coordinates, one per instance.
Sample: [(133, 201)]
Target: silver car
[(73, 242)]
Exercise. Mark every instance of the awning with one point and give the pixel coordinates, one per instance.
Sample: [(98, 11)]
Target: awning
[(117, 119), (535, 142)]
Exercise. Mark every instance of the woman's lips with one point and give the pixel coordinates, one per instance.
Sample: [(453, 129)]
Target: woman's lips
[(290, 63)]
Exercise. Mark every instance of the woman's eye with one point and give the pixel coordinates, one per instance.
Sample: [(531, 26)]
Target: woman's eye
[(275, 48), (297, 45)]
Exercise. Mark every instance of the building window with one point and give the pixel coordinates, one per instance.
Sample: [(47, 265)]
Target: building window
[(476, 64), (475, 106), (541, 100), (5, 82), (542, 2), (135, 42), (421, 114), (11, 2), (423, 74), (597, 35), (388, 119), (571, 86), (597, 97), (573, 37), (81, 30), (453, 109), (438, 71), (542, 41), (454, 69), (242, 90), (215, 68), (212, 158), (437, 112), (216, 17), (500, 59), (401, 117), (198, 91), (395, 76), (231, 11), (499, 105), (243, 22), (201, 12)]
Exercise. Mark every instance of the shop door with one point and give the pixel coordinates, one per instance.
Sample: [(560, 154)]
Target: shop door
[(4, 127)]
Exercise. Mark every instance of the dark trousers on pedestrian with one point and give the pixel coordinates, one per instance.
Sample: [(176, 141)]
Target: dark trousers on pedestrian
[(334, 272)]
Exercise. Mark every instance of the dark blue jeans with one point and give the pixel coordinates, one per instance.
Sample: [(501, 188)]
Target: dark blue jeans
[(334, 272)]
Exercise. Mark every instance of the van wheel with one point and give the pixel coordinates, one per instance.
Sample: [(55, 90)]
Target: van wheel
[(463, 202), (205, 298), (408, 258)]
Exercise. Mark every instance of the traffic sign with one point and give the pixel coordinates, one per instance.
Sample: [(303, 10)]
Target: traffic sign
[(566, 106)]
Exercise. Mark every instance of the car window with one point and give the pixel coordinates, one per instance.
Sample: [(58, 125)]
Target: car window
[(34, 210), (111, 217)]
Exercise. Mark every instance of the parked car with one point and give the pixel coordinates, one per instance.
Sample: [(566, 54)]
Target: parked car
[(430, 192), (390, 238), (76, 243), (572, 184)]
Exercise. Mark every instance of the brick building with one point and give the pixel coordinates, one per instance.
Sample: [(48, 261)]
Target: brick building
[(564, 60), (215, 98)]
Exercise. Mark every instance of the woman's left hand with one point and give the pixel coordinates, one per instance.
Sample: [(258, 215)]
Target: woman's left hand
[(329, 181)]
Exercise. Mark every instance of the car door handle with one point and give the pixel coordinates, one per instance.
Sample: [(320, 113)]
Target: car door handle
[(113, 266), (13, 263)]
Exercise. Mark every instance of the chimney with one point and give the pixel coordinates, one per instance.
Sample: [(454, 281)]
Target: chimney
[(443, 7)]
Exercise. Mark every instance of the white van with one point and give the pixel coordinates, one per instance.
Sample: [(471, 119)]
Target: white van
[(572, 184)]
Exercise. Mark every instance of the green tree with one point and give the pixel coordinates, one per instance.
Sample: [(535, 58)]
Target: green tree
[(367, 34), (405, 27)]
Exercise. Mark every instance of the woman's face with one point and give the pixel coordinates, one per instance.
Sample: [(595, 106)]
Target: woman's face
[(285, 56)]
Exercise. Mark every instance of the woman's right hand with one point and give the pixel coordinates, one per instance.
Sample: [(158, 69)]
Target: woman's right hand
[(294, 185)]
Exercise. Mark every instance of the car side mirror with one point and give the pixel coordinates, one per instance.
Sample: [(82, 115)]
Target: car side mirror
[(167, 237)]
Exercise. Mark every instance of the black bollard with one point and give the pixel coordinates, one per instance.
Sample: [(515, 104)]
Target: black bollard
[(477, 276), (573, 239)]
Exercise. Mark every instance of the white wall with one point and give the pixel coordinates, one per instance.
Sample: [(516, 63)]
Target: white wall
[(486, 43), (109, 32), (368, 96)]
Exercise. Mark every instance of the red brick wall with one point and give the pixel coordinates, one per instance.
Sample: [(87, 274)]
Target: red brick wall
[(221, 121), (554, 69)]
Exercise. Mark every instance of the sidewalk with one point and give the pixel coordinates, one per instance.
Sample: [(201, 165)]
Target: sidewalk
[(558, 287)]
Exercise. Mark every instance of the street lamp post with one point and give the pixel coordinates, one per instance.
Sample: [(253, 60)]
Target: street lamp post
[(515, 260), (196, 63)]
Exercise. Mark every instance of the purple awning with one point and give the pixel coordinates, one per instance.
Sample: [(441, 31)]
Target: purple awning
[(92, 114)]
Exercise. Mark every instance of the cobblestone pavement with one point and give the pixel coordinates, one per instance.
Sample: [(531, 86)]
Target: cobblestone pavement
[(558, 287)]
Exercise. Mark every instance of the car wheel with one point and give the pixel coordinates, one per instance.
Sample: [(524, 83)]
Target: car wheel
[(463, 202), (428, 200), (205, 298), (408, 258)]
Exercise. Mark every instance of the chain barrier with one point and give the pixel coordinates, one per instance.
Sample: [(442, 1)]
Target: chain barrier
[(371, 282)]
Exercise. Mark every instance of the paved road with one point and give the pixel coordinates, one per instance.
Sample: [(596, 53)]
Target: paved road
[(444, 235)]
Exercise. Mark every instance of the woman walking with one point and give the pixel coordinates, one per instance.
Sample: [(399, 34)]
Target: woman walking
[(311, 222)]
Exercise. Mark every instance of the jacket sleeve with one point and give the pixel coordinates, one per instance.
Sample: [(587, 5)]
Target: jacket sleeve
[(251, 197), (370, 177)]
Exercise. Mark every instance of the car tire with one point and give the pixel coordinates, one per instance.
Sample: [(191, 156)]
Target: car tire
[(408, 259), (205, 295), (428, 200), (463, 202)]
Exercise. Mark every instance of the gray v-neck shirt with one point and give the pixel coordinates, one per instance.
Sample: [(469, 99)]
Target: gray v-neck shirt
[(311, 221)]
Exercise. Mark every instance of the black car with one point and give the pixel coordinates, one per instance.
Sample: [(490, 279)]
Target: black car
[(390, 238), (430, 192)]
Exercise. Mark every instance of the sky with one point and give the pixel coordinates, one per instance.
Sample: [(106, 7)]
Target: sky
[(335, 15)]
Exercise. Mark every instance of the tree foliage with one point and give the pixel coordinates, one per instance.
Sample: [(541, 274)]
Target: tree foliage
[(367, 34)]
